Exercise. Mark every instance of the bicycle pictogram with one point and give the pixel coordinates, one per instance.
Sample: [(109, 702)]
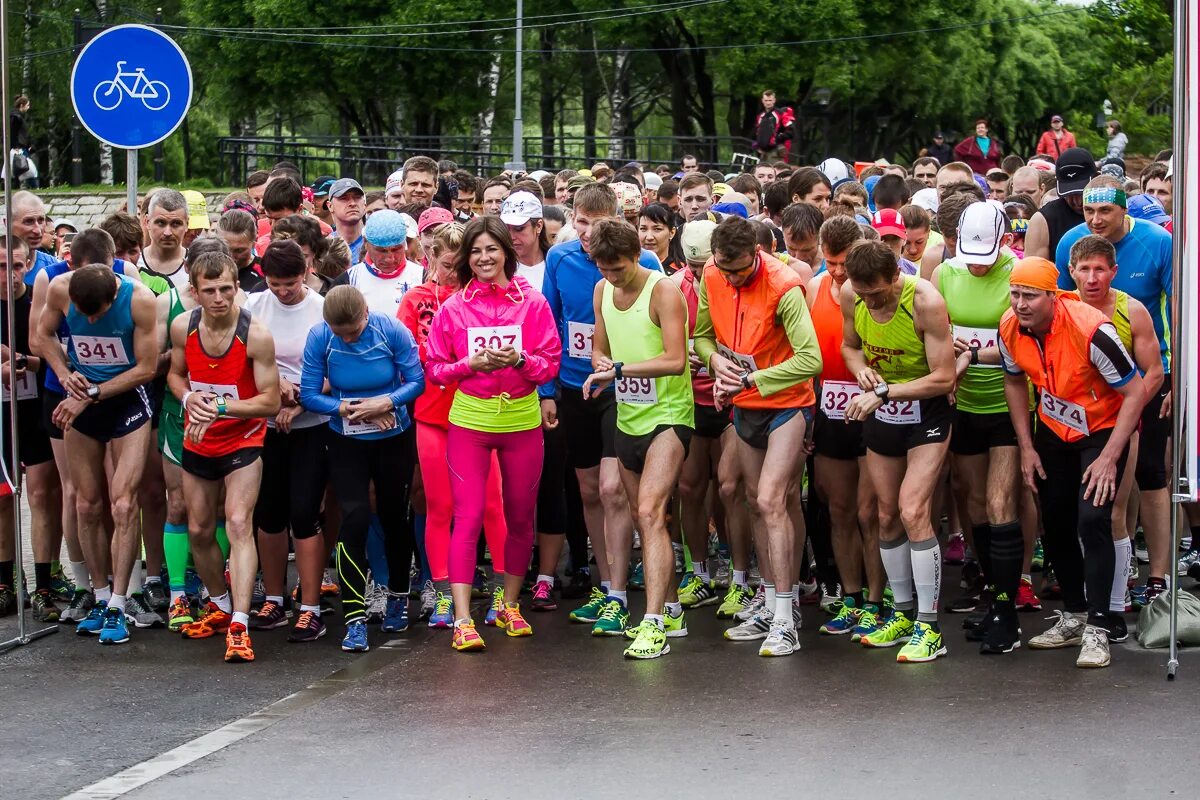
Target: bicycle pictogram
[(154, 94)]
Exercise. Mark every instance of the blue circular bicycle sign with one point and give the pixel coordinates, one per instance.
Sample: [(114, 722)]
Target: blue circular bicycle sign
[(131, 86)]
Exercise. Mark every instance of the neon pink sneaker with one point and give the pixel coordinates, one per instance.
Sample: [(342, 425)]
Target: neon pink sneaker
[(956, 549), (543, 597)]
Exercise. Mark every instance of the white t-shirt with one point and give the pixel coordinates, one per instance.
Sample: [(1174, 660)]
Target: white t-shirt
[(384, 294), (289, 326), (535, 273)]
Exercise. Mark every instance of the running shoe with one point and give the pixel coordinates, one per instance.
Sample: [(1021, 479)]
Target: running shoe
[(466, 637), (395, 617), (925, 645), (756, 604), (1039, 555), (192, 585), (845, 621), (8, 601), (138, 612), (113, 630), (259, 595), (955, 552), (637, 578), (1194, 572), (44, 607), (180, 614), (309, 627), (589, 612), (675, 627), (1117, 629), (355, 640), (81, 603), (497, 603), (479, 585), (268, 617), (1026, 599), (753, 629), (650, 642), (1145, 594), (736, 599), (694, 592), (375, 600), (781, 640), (1094, 653), (677, 551), (1050, 588), (212, 621), (512, 622), (1067, 631), (892, 631), (543, 596), (61, 586), (578, 585), (613, 620), (443, 612), (718, 567), (808, 592), (237, 644), (868, 623), (428, 601), (1185, 542), (329, 586), (831, 598), (1003, 632), (1140, 551), (94, 621), (156, 595), (971, 575)]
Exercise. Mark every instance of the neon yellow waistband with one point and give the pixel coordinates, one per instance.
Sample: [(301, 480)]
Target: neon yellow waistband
[(500, 414)]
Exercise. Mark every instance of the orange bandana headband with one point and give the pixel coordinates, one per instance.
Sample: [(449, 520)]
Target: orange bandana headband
[(1036, 273)]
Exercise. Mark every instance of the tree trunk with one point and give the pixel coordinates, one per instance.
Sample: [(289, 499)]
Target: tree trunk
[(487, 118), (591, 105), (546, 95), (187, 149), (618, 103), (676, 72)]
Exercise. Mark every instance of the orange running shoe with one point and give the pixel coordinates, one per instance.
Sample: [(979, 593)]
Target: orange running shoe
[(467, 638), (212, 621), (510, 620), (179, 614), (328, 587), (237, 644)]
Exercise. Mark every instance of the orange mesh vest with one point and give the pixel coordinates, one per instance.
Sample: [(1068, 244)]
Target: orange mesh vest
[(1062, 365), (744, 321)]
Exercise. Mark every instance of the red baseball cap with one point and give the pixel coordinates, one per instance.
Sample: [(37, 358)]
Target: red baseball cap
[(888, 222), (431, 216)]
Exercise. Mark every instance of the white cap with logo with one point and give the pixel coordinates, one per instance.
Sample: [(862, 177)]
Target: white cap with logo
[(980, 231)]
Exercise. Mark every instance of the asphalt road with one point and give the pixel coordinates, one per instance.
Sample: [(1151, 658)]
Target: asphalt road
[(563, 715)]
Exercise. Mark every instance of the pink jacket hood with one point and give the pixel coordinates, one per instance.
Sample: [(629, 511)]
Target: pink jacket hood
[(467, 320)]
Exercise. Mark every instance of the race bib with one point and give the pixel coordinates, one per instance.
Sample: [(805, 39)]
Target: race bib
[(1065, 412), (579, 340), (836, 396), (642, 391), (744, 361), (100, 351), (226, 390), (899, 412), (497, 338), (983, 338), (351, 428), (26, 387)]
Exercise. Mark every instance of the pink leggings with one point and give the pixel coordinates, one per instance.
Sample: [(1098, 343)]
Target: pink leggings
[(469, 456), (431, 444)]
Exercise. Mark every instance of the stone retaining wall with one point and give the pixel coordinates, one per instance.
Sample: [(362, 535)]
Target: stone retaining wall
[(87, 210)]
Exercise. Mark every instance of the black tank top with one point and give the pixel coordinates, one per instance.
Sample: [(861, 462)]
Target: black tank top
[(1060, 218)]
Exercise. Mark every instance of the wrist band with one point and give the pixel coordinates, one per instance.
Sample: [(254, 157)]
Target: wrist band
[(1105, 194), (186, 395)]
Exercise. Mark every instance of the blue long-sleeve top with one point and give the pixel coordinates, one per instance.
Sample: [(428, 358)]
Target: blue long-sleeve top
[(382, 361)]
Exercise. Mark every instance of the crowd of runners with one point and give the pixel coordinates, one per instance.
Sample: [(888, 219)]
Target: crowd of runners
[(790, 392)]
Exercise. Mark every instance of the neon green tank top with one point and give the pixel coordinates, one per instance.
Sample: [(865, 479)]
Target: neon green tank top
[(893, 348), (644, 403), (975, 305), (171, 406), (1121, 322)]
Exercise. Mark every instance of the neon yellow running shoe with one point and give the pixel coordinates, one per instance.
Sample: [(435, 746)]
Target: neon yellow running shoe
[(893, 631), (868, 622), (589, 612), (694, 592), (651, 642), (925, 645), (675, 627), (736, 599)]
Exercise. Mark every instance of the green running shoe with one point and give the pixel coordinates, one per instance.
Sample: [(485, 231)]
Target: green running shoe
[(868, 622), (614, 619), (637, 578), (589, 612), (891, 632), (925, 645), (845, 621), (889, 599), (736, 599), (675, 627), (651, 642), (1039, 556), (694, 592)]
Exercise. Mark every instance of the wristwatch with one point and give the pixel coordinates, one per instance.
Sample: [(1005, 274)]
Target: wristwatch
[(221, 409), (746, 384), (617, 367), (881, 391), (93, 393), (974, 354), (520, 360)]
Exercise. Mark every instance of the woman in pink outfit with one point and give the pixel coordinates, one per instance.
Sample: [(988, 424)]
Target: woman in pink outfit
[(496, 340)]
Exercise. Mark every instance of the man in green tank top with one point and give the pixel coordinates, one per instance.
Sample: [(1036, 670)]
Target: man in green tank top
[(983, 446), (640, 344), (896, 342), (1093, 266)]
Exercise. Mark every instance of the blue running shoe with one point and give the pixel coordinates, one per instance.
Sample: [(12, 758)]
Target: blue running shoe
[(94, 621), (395, 618), (496, 607), (356, 638), (443, 612), (847, 619), (192, 585), (114, 630)]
